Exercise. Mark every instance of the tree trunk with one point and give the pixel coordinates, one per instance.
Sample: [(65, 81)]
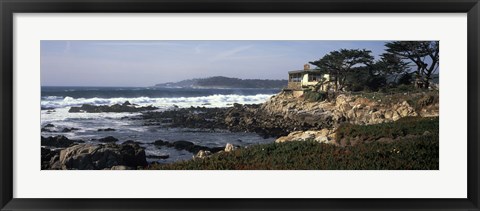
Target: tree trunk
[(336, 83), (426, 82)]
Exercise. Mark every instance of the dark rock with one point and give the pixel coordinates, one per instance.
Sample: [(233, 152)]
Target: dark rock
[(132, 142), (106, 129), (49, 125), (94, 157), (183, 145), (125, 107), (216, 149), (133, 155), (191, 147), (108, 139), (46, 130), (56, 141), (47, 108), (186, 145), (158, 156), (46, 156), (239, 118), (66, 130), (161, 143)]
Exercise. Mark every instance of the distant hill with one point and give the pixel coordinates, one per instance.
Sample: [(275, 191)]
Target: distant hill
[(225, 82)]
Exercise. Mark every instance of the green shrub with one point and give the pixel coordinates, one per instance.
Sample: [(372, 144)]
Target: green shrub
[(390, 97), (315, 96), (406, 79), (415, 153), (402, 88), (427, 100), (405, 126)]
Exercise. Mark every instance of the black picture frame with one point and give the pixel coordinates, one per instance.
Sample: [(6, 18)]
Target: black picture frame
[(9, 7)]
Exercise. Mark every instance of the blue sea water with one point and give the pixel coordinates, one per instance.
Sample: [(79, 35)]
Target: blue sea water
[(56, 101)]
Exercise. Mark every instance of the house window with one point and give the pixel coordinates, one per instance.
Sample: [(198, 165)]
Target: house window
[(314, 78), (295, 78)]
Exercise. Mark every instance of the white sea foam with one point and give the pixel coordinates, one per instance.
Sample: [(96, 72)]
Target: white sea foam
[(207, 101), (62, 114)]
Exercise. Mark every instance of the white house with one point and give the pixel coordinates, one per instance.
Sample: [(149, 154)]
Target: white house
[(300, 80)]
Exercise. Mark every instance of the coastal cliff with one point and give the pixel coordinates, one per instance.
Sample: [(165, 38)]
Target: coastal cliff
[(349, 108), (356, 109)]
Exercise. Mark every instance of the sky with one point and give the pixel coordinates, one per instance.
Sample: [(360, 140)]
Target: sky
[(146, 63)]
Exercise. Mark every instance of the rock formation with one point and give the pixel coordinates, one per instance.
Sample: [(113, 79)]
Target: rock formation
[(125, 107), (95, 157)]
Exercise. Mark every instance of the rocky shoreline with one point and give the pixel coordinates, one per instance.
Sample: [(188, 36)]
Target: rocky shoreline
[(284, 114), (239, 118), (283, 117), (61, 153)]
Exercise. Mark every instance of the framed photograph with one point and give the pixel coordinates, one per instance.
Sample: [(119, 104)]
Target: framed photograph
[(259, 105)]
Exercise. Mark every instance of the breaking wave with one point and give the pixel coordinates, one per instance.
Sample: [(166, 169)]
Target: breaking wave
[(216, 100)]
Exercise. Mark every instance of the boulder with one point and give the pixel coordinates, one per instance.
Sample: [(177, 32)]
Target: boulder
[(388, 114), (47, 155), (396, 116), (229, 147), (94, 157), (186, 145), (56, 141), (105, 129), (202, 154), (161, 143), (67, 130), (158, 156), (183, 145), (322, 139), (191, 147), (132, 142), (45, 130), (49, 125), (322, 136), (108, 139)]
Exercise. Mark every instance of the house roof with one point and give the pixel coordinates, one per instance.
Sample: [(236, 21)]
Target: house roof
[(304, 71)]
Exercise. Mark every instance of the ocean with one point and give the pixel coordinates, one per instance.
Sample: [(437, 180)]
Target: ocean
[(56, 101)]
